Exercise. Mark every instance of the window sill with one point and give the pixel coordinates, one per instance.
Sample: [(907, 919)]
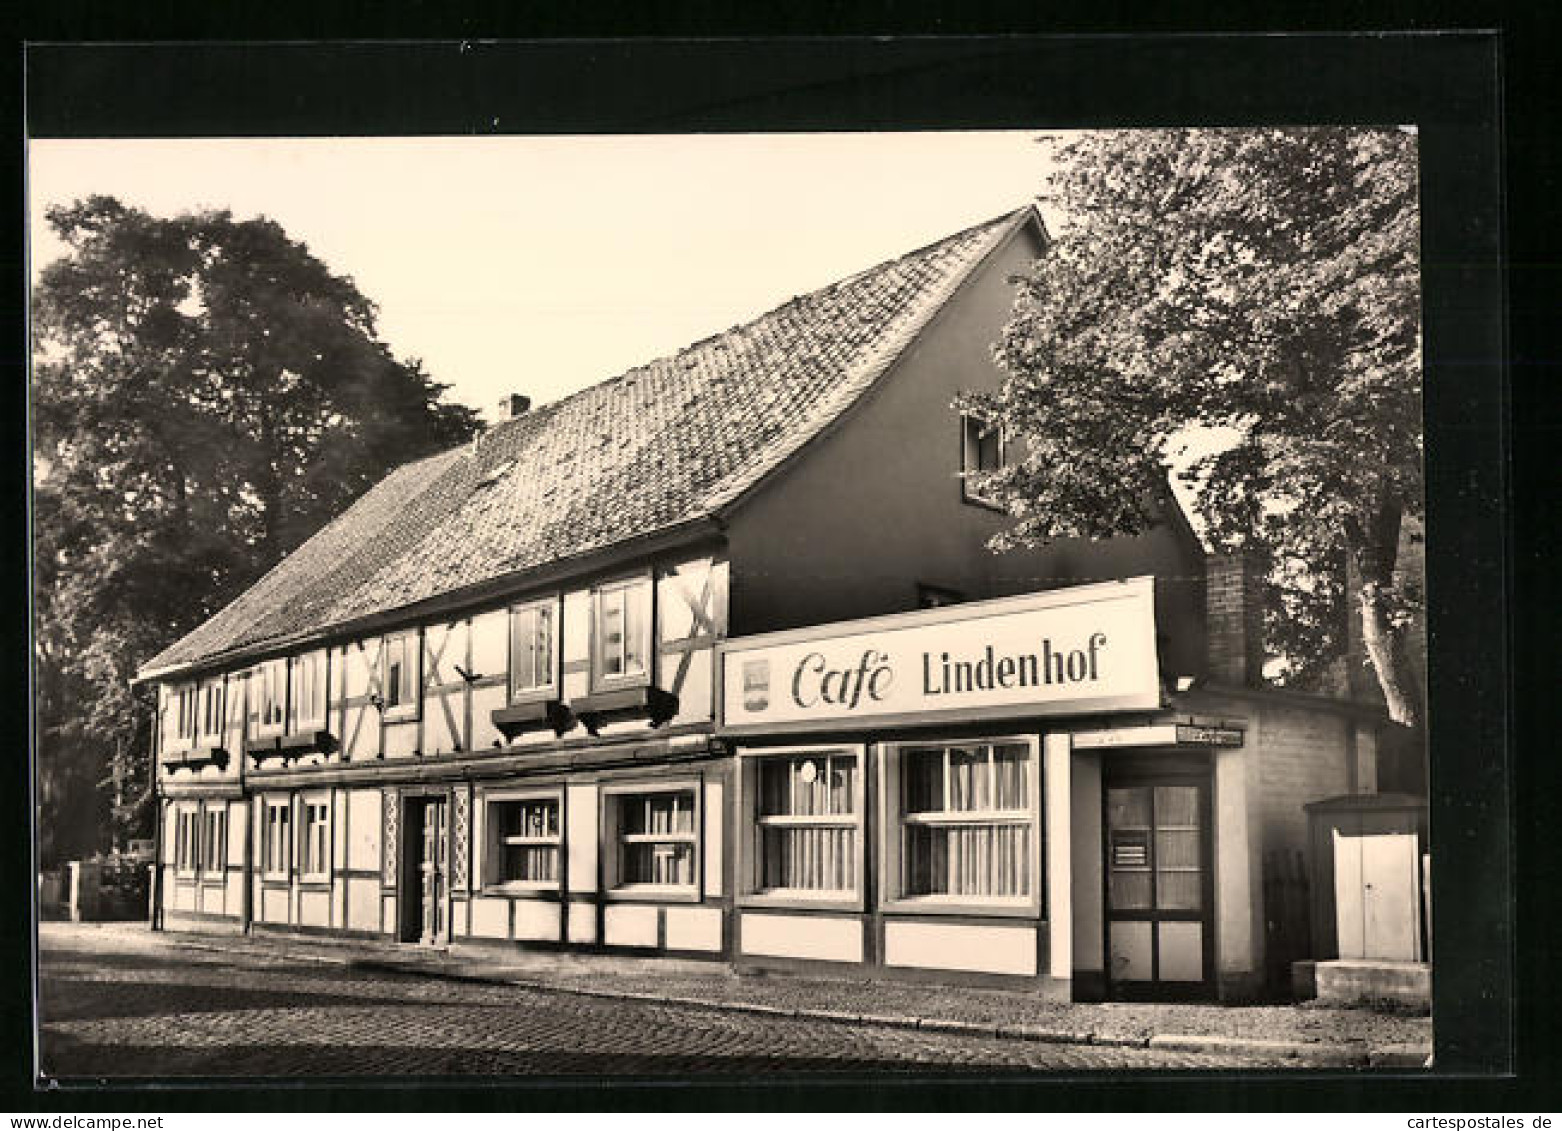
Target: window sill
[(399, 714), (796, 899), (962, 905), (521, 889), (984, 504), (661, 893)]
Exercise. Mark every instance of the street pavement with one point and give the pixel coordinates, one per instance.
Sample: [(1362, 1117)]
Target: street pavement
[(114, 1006)]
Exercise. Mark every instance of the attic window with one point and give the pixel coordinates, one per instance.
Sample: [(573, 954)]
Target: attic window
[(493, 474), (982, 452)]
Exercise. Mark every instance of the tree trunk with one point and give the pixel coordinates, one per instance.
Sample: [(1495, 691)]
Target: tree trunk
[(1386, 649)]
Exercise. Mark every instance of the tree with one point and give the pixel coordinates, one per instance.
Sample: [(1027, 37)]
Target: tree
[(206, 394), (1258, 288)]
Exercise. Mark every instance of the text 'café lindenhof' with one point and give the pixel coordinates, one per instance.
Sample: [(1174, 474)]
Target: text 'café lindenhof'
[(713, 660)]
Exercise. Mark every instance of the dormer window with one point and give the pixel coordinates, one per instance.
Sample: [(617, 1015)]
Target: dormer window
[(982, 451)]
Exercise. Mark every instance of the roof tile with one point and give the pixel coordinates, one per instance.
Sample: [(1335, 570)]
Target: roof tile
[(661, 445)]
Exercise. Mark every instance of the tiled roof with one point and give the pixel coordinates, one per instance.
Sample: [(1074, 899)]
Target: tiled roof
[(657, 447)]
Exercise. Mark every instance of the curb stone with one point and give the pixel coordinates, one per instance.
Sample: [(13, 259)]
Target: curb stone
[(1320, 1054)]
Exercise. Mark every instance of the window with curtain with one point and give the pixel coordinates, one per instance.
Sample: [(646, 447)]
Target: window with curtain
[(187, 843), (214, 840), (806, 822), (272, 692), (277, 841), (623, 631), (523, 841), (533, 648), (308, 691), (656, 834), (316, 842), (968, 821), (211, 709)]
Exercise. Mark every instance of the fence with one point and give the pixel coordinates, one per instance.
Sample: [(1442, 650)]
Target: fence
[(1287, 917)]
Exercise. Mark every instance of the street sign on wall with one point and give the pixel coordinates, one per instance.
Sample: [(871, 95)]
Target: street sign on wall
[(1084, 649)]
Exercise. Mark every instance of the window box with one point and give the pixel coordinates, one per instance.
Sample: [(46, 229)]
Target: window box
[(652, 837), (602, 707), (196, 760), (523, 841), (802, 841), (522, 717), (962, 828), (305, 742), (261, 749)]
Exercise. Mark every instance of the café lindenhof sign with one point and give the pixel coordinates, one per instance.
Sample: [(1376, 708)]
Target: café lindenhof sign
[(1083, 649)]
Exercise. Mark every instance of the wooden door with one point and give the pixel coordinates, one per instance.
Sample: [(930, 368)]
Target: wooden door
[(1159, 897), (1377, 895), (434, 872)]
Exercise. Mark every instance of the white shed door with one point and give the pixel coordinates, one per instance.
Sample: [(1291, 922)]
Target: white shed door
[(1377, 896)]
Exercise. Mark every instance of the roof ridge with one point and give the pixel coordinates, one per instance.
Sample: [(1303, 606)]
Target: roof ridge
[(717, 335)]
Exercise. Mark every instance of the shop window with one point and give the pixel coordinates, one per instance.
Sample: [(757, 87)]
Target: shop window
[(307, 692), (966, 824), (621, 636), (533, 649), (982, 452), (214, 840), (187, 844), (400, 673), (655, 839), (806, 807), (211, 711), (277, 840), (271, 695), (522, 841)]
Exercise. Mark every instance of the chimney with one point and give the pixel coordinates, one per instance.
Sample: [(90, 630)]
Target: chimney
[(513, 405), (1233, 621)]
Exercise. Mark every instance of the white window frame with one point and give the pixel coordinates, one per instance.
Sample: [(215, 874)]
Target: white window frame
[(186, 708), (892, 823), (970, 458), (535, 691), (212, 710), (601, 678), (187, 840), (750, 848), (614, 798), (408, 700), (310, 869), (270, 683), (493, 850), (214, 850), (273, 845), (308, 687)]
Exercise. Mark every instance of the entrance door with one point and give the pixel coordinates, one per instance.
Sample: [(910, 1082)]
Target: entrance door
[(1159, 939), (428, 849)]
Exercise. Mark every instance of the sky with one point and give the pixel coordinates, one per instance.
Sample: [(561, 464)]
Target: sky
[(541, 265)]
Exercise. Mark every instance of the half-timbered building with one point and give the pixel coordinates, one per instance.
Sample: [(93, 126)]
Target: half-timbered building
[(712, 659)]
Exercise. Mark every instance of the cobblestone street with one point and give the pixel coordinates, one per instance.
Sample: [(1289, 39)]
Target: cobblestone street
[(118, 1006)]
